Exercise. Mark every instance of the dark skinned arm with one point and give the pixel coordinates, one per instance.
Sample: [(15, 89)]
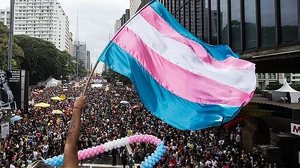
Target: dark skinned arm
[(70, 153)]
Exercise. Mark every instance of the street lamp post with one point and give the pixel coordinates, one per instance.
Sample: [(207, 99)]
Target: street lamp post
[(10, 50)]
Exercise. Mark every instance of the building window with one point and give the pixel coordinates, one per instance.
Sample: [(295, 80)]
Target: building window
[(199, 20), (177, 5), (213, 22), (250, 24), (187, 15), (268, 38), (224, 21), (181, 12), (289, 20), (236, 25), (206, 11)]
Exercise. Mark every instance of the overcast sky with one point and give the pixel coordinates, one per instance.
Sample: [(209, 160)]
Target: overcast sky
[(96, 19)]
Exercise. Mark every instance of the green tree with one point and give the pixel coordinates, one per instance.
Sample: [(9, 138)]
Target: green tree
[(18, 53), (82, 72), (43, 60), (66, 65), (273, 86), (112, 76), (295, 86)]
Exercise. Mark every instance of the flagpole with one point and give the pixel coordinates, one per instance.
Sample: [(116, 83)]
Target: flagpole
[(90, 77)]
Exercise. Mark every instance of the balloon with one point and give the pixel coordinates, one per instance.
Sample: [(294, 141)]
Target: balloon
[(150, 161)]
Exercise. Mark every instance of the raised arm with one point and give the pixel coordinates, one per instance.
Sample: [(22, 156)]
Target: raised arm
[(70, 153)]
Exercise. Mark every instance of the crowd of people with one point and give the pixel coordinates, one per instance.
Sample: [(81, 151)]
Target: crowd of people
[(115, 111)]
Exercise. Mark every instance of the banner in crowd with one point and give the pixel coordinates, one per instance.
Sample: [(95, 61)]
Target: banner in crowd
[(14, 89), (4, 130), (182, 80)]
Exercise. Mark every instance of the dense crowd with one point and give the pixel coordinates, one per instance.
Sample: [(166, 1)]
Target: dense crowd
[(114, 111)]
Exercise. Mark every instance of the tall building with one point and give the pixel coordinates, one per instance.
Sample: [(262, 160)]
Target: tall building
[(82, 54), (251, 28), (70, 43), (44, 19), (117, 25), (134, 5), (4, 16)]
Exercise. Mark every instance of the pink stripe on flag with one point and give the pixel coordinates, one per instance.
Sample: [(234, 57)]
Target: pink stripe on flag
[(181, 82), (164, 28)]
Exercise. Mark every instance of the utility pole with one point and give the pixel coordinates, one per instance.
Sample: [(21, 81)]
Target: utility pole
[(10, 50), (11, 34)]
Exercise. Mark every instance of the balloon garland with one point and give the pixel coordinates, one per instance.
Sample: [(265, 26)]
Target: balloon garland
[(149, 161)]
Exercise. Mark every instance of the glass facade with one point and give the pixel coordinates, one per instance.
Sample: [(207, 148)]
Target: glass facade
[(236, 25), (187, 15), (258, 24), (213, 22), (289, 27), (224, 21), (250, 24), (268, 36), (206, 23)]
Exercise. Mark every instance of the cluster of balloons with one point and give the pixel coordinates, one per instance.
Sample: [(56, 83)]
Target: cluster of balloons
[(149, 161)]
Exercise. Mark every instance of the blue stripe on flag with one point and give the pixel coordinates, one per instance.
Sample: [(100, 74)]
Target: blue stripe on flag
[(219, 52), (174, 110)]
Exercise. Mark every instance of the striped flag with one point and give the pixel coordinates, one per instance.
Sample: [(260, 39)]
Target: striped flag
[(180, 79)]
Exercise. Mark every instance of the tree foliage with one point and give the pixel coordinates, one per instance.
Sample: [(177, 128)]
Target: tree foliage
[(17, 50), (112, 76), (273, 86), (295, 86), (39, 57), (43, 60)]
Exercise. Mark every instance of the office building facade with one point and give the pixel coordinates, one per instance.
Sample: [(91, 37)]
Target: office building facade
[(4, 16), (244, 25), (81, 54), (44, 19), (250, 27)]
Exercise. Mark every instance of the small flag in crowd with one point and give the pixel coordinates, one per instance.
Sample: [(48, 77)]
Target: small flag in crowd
[(180, 79)]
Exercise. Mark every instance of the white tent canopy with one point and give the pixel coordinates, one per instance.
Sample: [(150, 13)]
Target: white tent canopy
[(286, 92), (50, 82)]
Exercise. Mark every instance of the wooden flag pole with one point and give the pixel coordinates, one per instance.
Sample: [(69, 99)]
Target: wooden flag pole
[(90, 77)]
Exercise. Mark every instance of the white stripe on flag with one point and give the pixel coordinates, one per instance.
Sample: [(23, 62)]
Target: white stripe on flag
[(184, 57)]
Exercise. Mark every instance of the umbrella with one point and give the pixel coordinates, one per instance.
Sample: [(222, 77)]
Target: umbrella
[(63, 97), (57, 112), (16, 118), (44, 105), (136, 106), (56, 98), (124, 102)]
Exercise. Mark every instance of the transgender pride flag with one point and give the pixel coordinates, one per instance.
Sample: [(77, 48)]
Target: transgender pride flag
[(180, 79)]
